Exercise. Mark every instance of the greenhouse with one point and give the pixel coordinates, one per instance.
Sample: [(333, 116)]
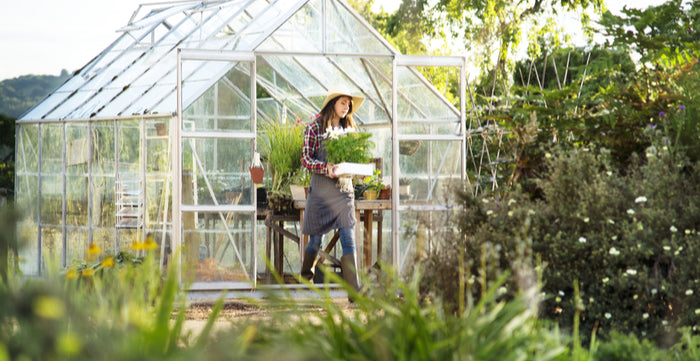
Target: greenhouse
[(152, 139)]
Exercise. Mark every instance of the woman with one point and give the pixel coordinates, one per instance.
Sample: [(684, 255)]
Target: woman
[(329, 206)]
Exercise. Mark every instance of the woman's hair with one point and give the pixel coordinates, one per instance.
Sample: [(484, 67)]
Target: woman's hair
[(329, 110)]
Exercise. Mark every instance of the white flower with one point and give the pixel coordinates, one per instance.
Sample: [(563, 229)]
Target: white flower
[(609, 173), (630, 211), (611, 221), (530, 212), (582, 239), (664, 322), (613, 251), (673, 229), (641, 199), (667, 248), (697, 311), (561, 293), (350, 130), (591, 300), (654, 291), (502, 290), (489, 212), (614, 238), (635, 297), (510, 213), (585, 220), (484, 200), (688, 292), (631, 272), (511, 201), (606, 280), (608, 315), (645, 315), (687, 231)]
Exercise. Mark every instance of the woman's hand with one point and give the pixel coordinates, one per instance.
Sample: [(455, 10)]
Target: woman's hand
[(330, 170)]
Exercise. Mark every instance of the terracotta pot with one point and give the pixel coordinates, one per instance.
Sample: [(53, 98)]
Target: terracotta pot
[(385, 194), (256, 174)]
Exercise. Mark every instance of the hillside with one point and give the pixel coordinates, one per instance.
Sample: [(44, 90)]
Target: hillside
[(19, 94)]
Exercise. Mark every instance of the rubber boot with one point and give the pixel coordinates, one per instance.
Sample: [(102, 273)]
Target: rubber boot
[(349, 268), (307, 267)]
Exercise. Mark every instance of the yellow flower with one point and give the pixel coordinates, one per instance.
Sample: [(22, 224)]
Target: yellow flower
[(88, 272), (137, 246), (107, 262), (94, 249), (72, 274), (150, 244)]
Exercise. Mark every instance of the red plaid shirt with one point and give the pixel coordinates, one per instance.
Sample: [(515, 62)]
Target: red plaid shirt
[(312, 143)]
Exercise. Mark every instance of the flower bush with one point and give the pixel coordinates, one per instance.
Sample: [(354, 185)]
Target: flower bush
[(628, 239), (347, 145)]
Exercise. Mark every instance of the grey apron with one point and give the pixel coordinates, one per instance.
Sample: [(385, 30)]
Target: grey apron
[(327, 208)]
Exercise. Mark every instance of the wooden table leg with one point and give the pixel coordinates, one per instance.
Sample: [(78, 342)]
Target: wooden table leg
[(279, 247), (358, 232), (380, 218), (367, 245), (303, 240), (268, 251)]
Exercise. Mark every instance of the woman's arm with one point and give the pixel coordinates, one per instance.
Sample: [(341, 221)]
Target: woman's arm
[(308, 152)]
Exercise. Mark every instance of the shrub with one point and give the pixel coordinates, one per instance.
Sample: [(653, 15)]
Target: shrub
[(629, 240)]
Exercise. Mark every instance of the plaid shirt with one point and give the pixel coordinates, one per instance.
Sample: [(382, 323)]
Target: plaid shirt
[(312, 144)]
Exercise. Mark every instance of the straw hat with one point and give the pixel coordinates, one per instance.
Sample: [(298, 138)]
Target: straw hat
[(333, 93)]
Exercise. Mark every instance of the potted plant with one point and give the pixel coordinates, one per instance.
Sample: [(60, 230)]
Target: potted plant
[(281, 145), (350, 150), (300, 184), (373, 185)]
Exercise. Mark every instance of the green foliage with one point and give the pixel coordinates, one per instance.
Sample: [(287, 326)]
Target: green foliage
[(280, 146), (373, 182), (19, 94), (629, 240), (353, 147), (394, 323)]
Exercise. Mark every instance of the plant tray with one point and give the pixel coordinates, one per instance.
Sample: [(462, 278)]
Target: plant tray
[(355, 169)]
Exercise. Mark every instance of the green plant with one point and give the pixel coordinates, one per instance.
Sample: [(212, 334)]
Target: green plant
[(373, 182), (347, 145), (281, 145)]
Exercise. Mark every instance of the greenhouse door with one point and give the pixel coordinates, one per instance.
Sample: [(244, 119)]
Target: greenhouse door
[(214, 142)]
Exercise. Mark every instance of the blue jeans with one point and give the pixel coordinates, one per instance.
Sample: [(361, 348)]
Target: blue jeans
[(347, 240)]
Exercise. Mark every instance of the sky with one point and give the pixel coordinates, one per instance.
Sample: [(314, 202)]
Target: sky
[(46, 36)]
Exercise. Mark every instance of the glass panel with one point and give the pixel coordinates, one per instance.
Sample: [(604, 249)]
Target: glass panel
[(46, 105), (52, 148), (26, 160), (302, 32), (223, 107), (346, 34), (215, 171), (417, 228), (105, 239), (51, 246), (431, 172), (77, 244), (76, 201), (76, 148), (103, 147), (29, 252), (51, 199), (215, 253), (418, 102), (26, 197), (128, 237), (103, 201), (129, 147)]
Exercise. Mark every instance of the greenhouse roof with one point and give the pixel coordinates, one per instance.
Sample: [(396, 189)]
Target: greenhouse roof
[(137, 74)]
